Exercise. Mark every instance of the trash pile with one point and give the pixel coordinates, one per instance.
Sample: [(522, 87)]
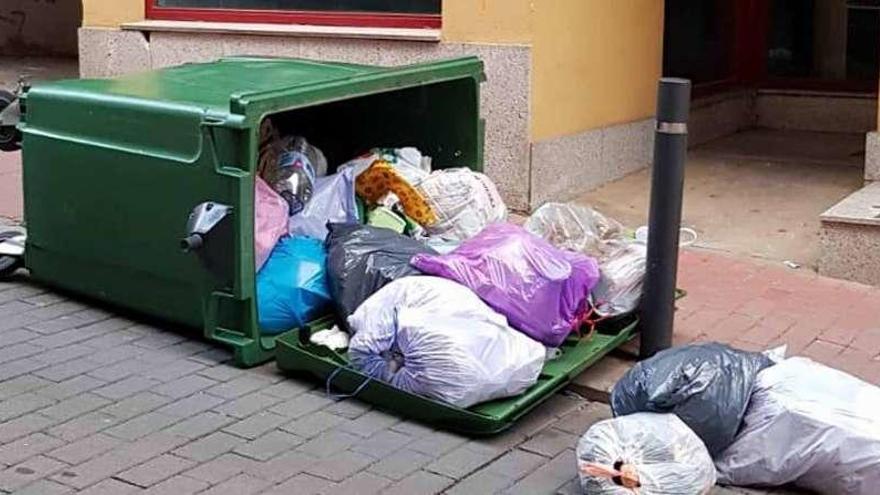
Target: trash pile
[(433, 291), (697, 412)]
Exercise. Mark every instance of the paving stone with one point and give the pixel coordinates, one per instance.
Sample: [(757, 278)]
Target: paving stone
[(241, 484), (363, 483), (573, 487), (83, 426), (369, 423), (301, 484), (22, 404), (20, 367), (413, 428), (126, 388), (239, 386), (199, 425), (13, 336), (221, 372), (255, 425), (18, 351), (110, 487), (209, 447), (312, 425), (480, 482), (66, 353), (289, 388), (74, 406), (549, 477), (142, 425), (579, 421), (420, 483), (23, 426), (119, 370), (191, 405), (44, 487), (282, 467), (460, 462), (328, 443), (119, 354), (155, 470), (67, 370), (68, 388), (515, 464), (550, 442), (159, 339), (59, 324), (246, 405), (26, 447), (382, 443), (28, 471), (301, 405), (173, 370), (400, 464), (135, 405), (184, 386), (437, 443), (349, 408), (212, 356), (22, 384), (340, 466), (220, 468), (178, 485), (117, 460), (84, 449), (114, 340), (268, 445)]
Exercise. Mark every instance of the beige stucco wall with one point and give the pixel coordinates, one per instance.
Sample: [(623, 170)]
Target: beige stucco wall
[(39, 27)]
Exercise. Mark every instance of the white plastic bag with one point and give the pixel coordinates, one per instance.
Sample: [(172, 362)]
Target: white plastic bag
[(333, 201), (810, 425), (464, 202), (433, 337), (620, 286), (645, 454)]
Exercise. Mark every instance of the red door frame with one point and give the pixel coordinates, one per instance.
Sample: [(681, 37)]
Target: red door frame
[(322, 18)]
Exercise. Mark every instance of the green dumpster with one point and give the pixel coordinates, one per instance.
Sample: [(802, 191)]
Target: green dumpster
[(113, 168)]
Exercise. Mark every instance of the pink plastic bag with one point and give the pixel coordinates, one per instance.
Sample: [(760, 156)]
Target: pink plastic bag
[(270, 220), (541, 290)]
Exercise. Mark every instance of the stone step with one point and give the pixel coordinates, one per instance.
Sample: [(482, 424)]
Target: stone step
[(850, 237)]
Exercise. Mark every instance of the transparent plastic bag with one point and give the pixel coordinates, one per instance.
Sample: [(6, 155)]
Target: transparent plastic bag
[(645, 454), (333, 201), (463, 201), (576, 228), (435, 338), (809, 425), (620, 285)]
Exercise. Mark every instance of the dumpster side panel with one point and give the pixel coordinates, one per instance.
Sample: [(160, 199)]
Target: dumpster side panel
[(106, 209)]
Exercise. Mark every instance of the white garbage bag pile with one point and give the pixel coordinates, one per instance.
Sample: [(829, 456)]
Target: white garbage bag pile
[(436, 338), (809, 425)]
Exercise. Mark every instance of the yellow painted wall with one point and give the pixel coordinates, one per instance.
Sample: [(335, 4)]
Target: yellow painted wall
[(595, 63), (112, 13), (488, 21)]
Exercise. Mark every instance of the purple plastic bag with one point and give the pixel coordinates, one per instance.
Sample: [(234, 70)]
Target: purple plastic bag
[(541, 290)]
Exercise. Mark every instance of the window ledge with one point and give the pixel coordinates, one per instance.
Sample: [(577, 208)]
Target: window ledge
[(302, 30)]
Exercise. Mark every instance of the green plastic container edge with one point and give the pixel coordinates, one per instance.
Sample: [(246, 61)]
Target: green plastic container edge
[(483, 419)]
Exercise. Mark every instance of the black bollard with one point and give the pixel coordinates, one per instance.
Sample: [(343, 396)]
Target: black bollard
[(664, 222)]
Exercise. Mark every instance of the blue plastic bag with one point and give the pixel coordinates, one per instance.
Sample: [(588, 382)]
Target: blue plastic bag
[(292, 287)]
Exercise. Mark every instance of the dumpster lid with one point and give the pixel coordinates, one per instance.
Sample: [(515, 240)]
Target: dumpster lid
[(252, 85)]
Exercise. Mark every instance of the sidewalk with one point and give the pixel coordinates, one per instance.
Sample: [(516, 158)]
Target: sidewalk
[(96, 402)]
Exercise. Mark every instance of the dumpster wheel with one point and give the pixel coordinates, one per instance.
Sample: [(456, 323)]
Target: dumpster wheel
[(9, 263), (8, 133)]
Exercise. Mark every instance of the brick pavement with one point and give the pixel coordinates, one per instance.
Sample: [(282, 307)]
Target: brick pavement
[(97, 403)]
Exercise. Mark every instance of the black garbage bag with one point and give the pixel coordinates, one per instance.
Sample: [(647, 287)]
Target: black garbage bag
[(362, 259), (706, 385)]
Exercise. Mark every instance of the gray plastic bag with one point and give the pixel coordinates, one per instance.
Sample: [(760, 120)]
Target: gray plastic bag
[(810, 425), (644, 454), (361, 259), (706, 385)]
